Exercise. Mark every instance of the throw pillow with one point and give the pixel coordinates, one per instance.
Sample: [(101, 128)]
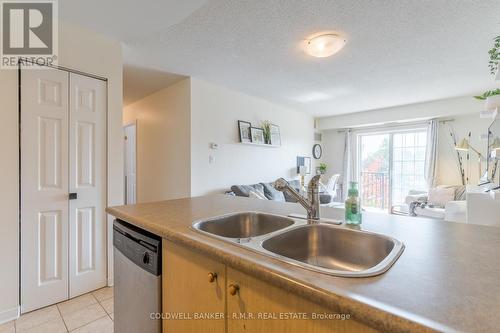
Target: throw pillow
[(244, 190), (271, 193), (257, 195), (439, 196)]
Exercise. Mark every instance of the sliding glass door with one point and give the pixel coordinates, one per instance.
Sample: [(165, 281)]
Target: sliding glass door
[(373, 164), (390, 164)]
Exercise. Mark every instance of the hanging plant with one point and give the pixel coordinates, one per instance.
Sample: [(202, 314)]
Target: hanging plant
[(487, 94), (494, 53)]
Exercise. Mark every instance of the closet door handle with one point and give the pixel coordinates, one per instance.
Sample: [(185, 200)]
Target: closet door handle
[(73, 196)]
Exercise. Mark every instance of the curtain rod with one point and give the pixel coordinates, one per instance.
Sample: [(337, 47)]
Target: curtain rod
[(394, 124)]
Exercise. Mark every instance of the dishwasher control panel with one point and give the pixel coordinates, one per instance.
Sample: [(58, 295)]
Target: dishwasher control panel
[(139, 246)]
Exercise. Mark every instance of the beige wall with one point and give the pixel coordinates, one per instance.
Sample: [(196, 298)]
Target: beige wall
[(163, 143), (176, 125), (9, 227), (78, 49), (215, 112)]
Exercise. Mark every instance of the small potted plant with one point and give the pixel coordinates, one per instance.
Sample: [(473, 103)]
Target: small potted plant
[(322, 168), (266, 126)]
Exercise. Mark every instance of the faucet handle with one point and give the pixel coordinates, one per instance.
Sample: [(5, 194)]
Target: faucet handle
[(280, 184)]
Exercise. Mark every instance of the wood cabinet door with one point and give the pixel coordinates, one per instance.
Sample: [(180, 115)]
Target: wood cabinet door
[(260, 307), (192, 301)]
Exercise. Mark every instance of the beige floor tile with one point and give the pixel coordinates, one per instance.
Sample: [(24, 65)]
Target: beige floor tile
[(52, 326), (8, 327), (83, 316), (103, 293), (108, 305), (76, 303), (37, 317), (103, 325)]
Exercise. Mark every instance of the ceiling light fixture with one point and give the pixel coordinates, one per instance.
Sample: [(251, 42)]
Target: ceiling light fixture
[(324, 45)]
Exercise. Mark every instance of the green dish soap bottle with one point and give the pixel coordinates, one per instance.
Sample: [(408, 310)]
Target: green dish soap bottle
[(353, 205)]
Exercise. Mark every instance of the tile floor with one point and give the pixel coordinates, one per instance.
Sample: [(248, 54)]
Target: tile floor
[(89, 313)]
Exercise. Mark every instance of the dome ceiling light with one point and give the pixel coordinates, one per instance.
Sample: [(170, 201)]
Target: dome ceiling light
[(324, 45)]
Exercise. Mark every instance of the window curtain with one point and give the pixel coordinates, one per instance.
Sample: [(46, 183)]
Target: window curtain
[(431, 153), (348, 167)]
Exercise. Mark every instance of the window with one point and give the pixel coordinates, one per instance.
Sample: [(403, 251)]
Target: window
[(390, 164)]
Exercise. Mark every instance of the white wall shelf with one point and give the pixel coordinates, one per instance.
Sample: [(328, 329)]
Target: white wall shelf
[(259, 144)]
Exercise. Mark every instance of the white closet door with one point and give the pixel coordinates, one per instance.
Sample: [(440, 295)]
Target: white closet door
[(44, 187), (87, 178)]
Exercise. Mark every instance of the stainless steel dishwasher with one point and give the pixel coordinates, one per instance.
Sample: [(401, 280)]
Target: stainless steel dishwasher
[(137, 277)]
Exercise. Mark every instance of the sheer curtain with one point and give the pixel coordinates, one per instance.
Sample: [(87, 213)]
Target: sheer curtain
[(431, 153), (348, 167)]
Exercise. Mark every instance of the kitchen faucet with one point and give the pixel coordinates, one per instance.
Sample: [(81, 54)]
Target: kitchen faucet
[(311, 204)]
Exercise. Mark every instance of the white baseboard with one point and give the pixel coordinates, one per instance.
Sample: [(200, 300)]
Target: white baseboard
[(10, 314)]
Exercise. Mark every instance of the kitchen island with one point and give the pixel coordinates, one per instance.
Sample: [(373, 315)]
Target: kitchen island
[(447, 278)]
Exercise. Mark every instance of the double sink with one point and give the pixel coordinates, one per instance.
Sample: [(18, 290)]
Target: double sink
[(322, 247)]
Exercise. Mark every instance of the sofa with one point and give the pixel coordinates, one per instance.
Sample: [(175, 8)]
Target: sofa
[(452, 209), (266, 191)]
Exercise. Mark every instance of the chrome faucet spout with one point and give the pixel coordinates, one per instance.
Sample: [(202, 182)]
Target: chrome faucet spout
[(311, 204)]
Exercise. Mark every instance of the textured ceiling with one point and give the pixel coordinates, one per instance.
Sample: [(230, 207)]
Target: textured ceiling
[(398, 51)]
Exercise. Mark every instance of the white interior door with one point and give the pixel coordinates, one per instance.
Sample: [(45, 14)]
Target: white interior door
[(130, 164), (87, 180), (44, 188)]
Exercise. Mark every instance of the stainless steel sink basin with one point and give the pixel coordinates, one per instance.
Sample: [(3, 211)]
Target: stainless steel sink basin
[(335, 250), (322, 247), (243, 225)]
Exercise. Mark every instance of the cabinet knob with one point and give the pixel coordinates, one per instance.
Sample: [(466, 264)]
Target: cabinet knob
[(233, 289), (212, 277)]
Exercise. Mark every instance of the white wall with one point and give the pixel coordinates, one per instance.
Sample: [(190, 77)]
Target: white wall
[(163, 143), (464, 111), (333, 151), (215, 112), (78, 49), (448, 172)]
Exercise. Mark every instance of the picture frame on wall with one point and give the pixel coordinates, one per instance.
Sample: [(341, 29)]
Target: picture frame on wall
[(275, 135), (304, 161), (244, 130), (257, 135)]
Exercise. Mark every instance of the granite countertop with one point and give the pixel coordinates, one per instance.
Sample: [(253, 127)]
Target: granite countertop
[(447, 279)]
